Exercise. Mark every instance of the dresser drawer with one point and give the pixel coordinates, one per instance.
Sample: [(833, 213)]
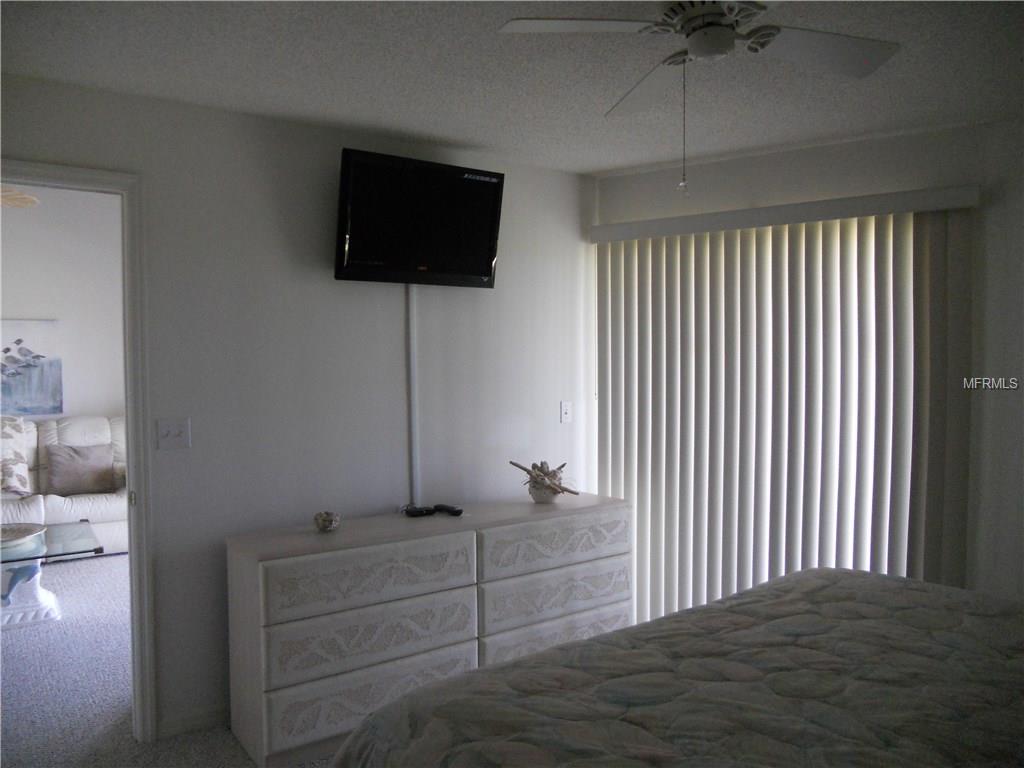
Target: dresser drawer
[(515, 643), (303, 650), (524, 600), (513, 550), (302, 714), (311, 585)]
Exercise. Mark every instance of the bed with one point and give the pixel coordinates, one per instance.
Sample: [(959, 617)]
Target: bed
[(818, 668)]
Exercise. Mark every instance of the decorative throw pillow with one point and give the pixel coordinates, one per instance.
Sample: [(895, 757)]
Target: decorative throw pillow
[(81, 469), (15, 455)]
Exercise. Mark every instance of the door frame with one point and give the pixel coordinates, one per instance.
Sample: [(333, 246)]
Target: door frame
[(140, 559)]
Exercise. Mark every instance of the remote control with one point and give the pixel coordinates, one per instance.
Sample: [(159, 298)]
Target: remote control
[(453, 511)]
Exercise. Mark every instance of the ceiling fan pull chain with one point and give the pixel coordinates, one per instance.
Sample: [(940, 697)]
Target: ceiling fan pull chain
[(682, 182)]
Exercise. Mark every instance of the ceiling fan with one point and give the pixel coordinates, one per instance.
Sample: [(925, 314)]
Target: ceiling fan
[(710, 31)]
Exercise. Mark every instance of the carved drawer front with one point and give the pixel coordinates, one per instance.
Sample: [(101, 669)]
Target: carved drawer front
[(523, 600), (339, 642), (302, 714), (513, 550), (311, 585), (515, 643)]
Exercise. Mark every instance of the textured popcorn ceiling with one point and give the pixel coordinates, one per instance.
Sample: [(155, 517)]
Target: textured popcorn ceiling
[(441, 72)]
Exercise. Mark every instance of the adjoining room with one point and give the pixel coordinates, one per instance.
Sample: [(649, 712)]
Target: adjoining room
[(66, 623)]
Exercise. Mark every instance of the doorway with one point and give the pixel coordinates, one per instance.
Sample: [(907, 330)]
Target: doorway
[(93, 397)]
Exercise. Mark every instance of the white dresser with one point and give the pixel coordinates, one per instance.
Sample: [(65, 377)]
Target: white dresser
[(326, 628)]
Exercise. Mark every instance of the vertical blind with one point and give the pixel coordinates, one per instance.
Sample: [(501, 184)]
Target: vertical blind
[(757, 402)]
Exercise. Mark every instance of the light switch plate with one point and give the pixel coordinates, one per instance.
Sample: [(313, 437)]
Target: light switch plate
[(173, 434), (565, 412)]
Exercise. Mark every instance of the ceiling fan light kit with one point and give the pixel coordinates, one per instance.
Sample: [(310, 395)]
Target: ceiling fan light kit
[(11, 197), (711, 42)]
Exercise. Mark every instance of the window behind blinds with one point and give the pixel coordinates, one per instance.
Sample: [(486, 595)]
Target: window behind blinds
[(757, 402)]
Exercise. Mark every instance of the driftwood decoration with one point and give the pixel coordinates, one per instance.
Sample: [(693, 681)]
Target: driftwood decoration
[(542, 476)]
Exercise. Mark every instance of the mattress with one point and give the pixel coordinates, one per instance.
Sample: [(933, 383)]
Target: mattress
[(818, 668)]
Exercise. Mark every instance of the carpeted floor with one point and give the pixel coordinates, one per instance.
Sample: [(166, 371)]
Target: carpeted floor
[(67, 684)]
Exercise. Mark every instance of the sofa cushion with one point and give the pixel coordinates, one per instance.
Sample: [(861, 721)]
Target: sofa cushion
[(32, 454), (94, 507), (80, 431), (29, 509), (113, 537), (14, 460), (84, 469), (32, 451)]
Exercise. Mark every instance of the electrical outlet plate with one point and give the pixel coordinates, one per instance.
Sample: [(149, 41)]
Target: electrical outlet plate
[(173, 434)]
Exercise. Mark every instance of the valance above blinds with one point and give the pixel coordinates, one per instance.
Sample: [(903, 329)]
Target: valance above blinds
[(761, 395)]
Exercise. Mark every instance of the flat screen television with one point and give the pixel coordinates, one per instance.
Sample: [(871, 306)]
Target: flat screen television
[(411, 221)]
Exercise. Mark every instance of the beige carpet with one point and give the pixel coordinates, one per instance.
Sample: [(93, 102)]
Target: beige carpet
[(66, 685)]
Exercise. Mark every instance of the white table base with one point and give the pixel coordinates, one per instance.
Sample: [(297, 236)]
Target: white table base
[(27, 603)]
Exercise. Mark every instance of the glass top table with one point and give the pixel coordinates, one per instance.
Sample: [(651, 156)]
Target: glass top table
[(23, 599), (57, 541)]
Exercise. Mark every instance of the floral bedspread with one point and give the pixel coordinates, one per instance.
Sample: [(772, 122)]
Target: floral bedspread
[(818, 668)]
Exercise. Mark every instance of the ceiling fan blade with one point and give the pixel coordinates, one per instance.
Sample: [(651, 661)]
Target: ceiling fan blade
[(650, 91), (574, 25), (847, 55)]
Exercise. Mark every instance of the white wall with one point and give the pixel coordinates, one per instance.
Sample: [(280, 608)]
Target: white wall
[(295, 382), (991, 156), (61, 260), (477, 351)]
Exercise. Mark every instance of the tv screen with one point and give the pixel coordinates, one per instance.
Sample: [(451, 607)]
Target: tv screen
[(411, 221)]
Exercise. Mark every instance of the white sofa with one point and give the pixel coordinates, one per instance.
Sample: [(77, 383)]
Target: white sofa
[(108, 512)]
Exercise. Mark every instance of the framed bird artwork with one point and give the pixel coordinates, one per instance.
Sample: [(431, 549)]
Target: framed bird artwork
[(32, 379)]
